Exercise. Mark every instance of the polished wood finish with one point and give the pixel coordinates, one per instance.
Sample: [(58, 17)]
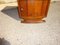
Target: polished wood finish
[(33, 11)]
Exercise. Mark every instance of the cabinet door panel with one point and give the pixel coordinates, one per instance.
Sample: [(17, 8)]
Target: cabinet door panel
[(33, 9)]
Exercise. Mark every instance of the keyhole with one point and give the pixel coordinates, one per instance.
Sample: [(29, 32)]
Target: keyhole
[(22, 9)]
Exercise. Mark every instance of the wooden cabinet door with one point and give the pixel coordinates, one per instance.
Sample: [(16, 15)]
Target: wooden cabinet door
[(33, 9)]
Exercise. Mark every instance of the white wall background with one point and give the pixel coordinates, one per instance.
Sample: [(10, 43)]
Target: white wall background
[(7, 1), (55, 0)]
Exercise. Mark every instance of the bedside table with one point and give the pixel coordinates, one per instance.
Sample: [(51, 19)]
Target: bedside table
[(33, 11)]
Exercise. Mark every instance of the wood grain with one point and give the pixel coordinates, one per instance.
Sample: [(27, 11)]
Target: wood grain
[(33, 9)]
